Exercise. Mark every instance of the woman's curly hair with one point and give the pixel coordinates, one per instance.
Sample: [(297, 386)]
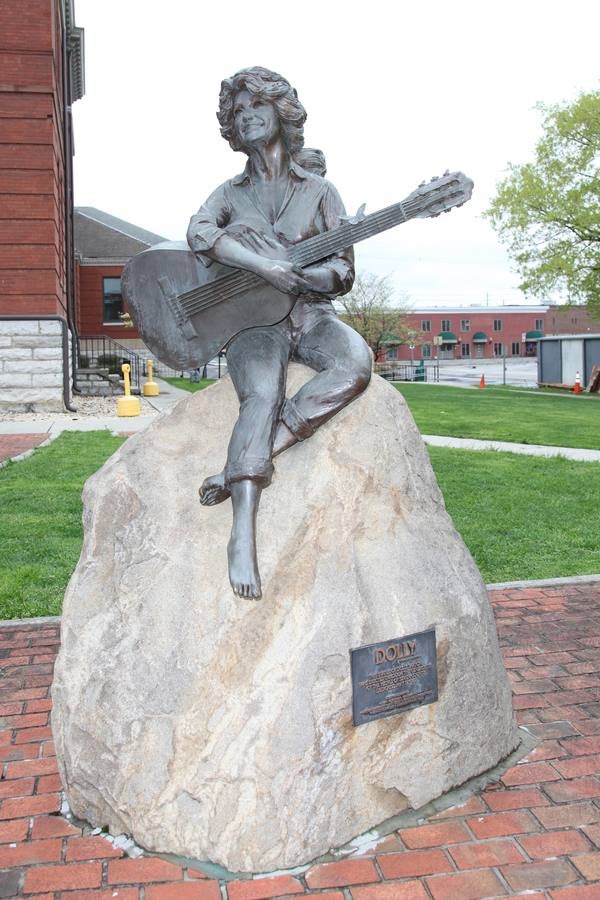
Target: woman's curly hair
[(268, 86)]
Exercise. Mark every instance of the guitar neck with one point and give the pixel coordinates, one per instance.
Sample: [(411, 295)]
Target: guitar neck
[(323, 245)]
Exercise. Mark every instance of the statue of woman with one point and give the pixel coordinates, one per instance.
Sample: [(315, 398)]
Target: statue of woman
[(248, 223)]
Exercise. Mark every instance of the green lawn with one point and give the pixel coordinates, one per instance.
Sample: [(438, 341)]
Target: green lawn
[(186, 385), (505, 415), (40, 525), (522, 517)]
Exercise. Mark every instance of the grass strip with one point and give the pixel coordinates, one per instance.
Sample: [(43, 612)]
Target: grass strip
[(502, 415), (186, 385), (522, 517), (40, 525)]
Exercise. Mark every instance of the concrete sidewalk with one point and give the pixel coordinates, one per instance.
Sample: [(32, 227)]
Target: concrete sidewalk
[(53, 425), (582, 455)]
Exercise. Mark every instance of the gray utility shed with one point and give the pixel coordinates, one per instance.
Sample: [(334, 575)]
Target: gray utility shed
[(560, 357)]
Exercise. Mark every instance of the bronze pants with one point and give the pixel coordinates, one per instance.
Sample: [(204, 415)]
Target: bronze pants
[(257, 361)]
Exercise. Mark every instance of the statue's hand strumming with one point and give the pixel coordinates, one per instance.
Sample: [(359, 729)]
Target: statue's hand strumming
[(285, 276)]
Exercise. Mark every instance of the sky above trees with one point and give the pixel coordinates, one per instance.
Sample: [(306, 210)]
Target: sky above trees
[(395, 94)]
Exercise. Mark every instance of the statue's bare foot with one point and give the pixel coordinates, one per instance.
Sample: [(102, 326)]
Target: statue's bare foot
[(243, 570), (213, 490)]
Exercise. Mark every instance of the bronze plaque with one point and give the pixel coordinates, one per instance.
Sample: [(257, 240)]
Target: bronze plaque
[(392, 677)]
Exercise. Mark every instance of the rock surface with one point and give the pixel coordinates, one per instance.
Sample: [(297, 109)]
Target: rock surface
[(221, 728)]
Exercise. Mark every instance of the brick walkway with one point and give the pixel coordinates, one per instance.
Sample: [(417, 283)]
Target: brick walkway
[(14, 444), (535, 832)]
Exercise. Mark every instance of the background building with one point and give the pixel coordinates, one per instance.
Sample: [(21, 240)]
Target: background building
[(103, 244), (471, 332)]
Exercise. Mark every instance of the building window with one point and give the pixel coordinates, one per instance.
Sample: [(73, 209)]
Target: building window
[(445, 325), (426, 350), (465, 349), (539, 324), (112, 302), (425, 324), (465, 324), (498, 349), (392, 353), (516, 348), (497, 324)]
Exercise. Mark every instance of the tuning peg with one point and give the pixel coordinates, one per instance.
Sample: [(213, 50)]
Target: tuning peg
[(422, 184), (447, 172)]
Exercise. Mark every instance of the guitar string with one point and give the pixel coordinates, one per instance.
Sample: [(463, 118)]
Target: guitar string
[(322, 241), (202, 298), (318, 247), (325, 243)]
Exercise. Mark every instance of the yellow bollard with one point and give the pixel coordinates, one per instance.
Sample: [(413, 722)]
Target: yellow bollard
[(150, 388), (128, 405)]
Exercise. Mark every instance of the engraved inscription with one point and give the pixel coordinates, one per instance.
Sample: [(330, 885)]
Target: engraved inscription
[(396, 702), (396, 677)]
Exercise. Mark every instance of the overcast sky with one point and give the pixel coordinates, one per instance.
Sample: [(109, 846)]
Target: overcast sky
[(395, 92)]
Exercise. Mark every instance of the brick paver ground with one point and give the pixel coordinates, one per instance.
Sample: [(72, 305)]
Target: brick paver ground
[(14, 444), (535, 832)]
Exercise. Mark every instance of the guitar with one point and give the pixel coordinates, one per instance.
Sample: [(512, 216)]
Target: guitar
[(186, 313)]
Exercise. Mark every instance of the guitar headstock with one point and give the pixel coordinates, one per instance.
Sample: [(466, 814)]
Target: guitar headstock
[(439, 195)]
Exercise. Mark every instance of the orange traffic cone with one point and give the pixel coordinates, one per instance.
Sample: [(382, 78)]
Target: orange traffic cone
[(482, 381), (577, 385)]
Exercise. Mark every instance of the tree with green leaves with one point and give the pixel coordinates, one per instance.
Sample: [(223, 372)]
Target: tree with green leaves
[(372, 309), (547, 212)]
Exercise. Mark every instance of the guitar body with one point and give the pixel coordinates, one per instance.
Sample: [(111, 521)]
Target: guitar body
[(153, 280)]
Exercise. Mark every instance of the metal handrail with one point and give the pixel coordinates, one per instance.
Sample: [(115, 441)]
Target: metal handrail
[(100, 349)]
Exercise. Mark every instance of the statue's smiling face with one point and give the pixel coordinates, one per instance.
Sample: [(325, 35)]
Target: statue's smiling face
[(255, 119)]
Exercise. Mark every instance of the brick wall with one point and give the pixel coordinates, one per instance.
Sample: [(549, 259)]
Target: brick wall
[(33, 276), (570, 320), (90, 303)]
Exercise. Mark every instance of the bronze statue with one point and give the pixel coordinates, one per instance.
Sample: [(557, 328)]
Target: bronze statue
[(266, 254), (249, 223)]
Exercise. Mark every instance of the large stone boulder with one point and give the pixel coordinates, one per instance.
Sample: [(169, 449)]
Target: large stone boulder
[(221, 728)]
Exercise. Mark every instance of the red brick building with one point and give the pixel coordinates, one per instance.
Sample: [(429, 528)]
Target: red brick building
[(41, 75), (471, 332), (484, 332)]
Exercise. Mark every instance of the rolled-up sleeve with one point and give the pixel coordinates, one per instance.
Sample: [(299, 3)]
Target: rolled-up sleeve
[(342, 263), (207, 225)]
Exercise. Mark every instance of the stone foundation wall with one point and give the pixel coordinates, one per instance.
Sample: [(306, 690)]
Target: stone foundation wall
[(31, 366)]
